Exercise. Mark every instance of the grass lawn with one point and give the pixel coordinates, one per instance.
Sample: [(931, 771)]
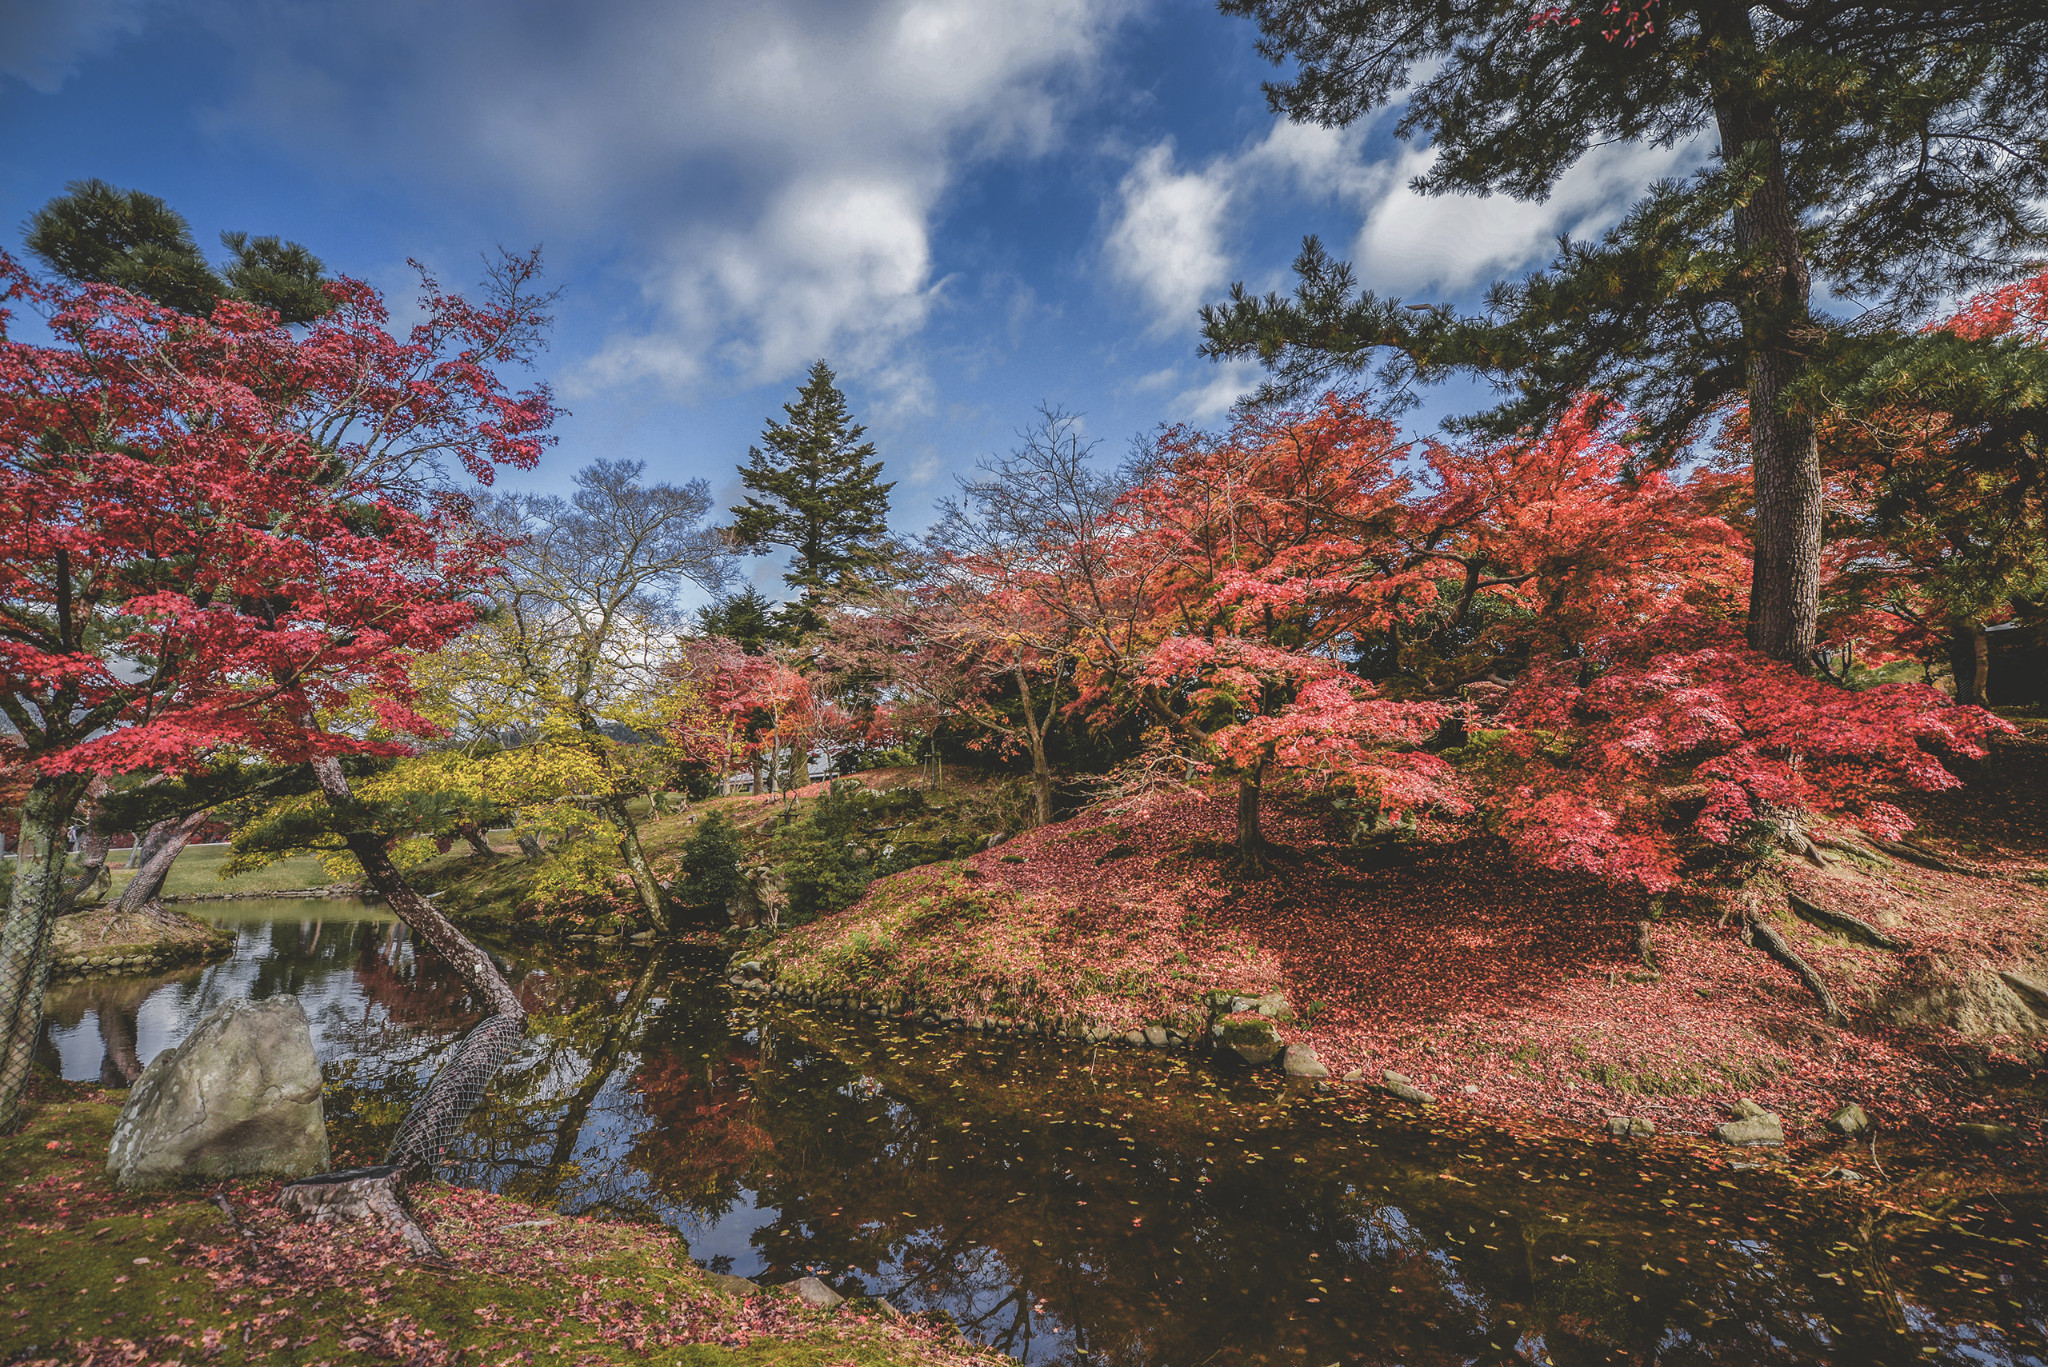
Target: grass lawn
[(197, 874)]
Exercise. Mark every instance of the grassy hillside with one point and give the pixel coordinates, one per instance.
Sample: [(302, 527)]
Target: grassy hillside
[(927, 826)]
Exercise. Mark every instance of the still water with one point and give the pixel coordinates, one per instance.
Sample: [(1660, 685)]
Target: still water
[(1115, 1209)]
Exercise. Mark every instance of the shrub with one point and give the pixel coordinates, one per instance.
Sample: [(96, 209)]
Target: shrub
[(711, 861)]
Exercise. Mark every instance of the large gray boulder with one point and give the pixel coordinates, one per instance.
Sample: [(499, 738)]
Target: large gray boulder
[(239, 1098)]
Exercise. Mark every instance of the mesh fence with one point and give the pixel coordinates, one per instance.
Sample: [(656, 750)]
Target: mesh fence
[(456, 1090)]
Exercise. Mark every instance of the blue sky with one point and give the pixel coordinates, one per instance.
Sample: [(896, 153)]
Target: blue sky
[(967, 208)]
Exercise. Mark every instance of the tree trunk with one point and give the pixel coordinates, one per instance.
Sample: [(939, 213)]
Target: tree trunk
[(528, 846), (614, 806), (1041, 771), (169, 839), (1251, 846), (651, 899), (150, 842), (1784, 601), (25, 939), (92, 877), (1969, 656), (470, 963), (474, 834)]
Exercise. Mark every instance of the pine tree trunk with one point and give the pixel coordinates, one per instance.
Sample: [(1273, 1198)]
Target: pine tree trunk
[(1969, 656), (529, 846), (1784, 596), (1784, 601), (168, 839), (471, 964), (25, 939)]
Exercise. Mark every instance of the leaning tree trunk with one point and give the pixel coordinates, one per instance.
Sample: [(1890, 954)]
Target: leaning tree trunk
[(92, 876), (1784, 601), (169, 837), (25, 939), (469, 962), (651, 899), (473, 832)]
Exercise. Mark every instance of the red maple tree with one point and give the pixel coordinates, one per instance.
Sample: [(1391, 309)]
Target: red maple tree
[(215, 534)]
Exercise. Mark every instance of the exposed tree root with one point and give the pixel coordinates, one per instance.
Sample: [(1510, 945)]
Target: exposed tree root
[(1792, 835), (1829, 919), (1851, 847), (1764, 936), (375, 1194), (1914, 854)]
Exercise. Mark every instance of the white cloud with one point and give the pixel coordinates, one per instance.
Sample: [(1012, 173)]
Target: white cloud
[(1453, 242), (1227, 382), (782, 161), (1171, 239), (1168, 241), (43, 41)]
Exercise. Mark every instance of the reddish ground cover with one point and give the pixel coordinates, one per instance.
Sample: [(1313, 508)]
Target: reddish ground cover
[(1496, 985)]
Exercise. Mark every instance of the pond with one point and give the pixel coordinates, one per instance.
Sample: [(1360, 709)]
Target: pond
[(1112, 1207)]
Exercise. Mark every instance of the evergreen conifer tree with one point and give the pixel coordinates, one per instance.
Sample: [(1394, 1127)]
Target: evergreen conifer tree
[(1892, 151), (746, 618), (100, 234), (815, 490)]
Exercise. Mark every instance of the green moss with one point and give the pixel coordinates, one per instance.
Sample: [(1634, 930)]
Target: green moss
[(1246, 1030), (89, 1262)]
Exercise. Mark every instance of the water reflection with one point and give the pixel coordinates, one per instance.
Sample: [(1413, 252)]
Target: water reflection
[(1127, 1210)]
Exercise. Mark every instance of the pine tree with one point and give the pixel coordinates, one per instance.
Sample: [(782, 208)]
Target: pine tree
[(96, 233), (1890, 151), (746, 618), (815, 491)]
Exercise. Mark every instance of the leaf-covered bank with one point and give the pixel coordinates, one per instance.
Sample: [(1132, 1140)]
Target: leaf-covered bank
[(1513, 990), (103, 1277)]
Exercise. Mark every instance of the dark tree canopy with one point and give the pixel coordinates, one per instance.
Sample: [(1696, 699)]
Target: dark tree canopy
[(816, 490), (100, 234), (748, 619), (1891, 151)]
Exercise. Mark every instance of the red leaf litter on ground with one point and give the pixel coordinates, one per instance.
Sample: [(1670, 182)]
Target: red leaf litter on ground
[(1510, 989), (541, 1278)]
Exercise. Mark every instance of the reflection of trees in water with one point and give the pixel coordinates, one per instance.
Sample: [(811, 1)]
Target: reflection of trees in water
[(1162, 1267), (582, 1038), (1100, 1236), (114, 1004), (930, 1168)]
